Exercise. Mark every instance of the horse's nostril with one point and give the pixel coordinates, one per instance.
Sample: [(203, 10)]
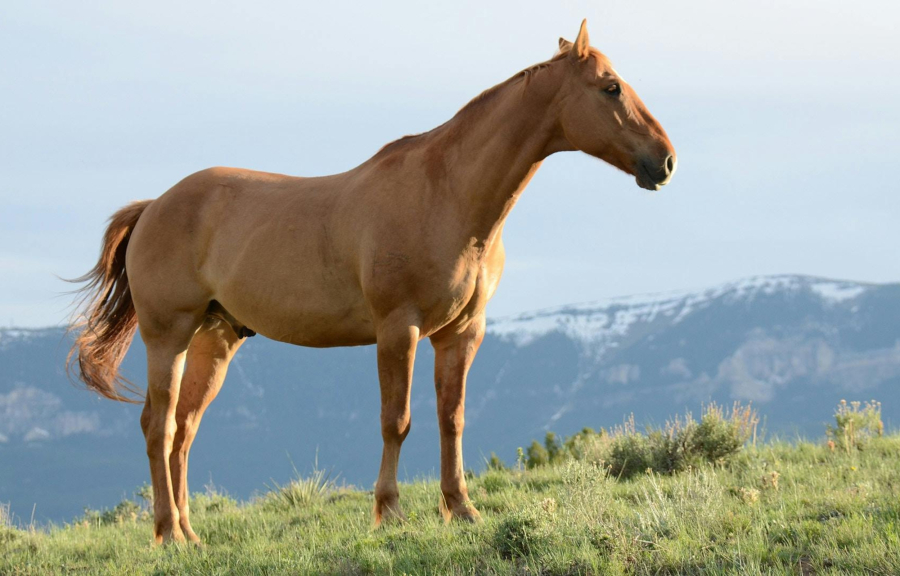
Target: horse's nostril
[(670, 164)]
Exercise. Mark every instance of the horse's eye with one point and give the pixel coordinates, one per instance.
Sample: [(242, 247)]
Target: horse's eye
[(613, 89)]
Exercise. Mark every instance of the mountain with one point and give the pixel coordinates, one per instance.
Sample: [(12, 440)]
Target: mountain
[(793, 345)]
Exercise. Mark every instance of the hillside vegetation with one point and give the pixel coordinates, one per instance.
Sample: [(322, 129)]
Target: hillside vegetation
[(697, 503)]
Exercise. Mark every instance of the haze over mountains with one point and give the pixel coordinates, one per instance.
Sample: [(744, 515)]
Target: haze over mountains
[(793, 345)]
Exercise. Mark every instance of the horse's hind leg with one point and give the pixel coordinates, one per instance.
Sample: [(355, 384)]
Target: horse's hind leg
[(167, 343), (207, 362)]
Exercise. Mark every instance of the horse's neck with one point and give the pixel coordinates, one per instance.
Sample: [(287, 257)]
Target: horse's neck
[(497, 150)]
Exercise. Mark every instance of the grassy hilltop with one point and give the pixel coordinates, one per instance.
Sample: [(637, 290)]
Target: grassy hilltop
[(687, 498)]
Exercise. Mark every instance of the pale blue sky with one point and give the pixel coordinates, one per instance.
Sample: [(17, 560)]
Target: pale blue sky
[(785, 117)]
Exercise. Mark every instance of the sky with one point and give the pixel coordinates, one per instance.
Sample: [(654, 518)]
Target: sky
[(784, 115)]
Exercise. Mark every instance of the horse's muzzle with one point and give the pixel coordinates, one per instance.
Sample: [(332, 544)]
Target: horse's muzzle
[(651, 174)]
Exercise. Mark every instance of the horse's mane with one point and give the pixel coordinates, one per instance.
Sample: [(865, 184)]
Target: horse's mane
[(474, 105)]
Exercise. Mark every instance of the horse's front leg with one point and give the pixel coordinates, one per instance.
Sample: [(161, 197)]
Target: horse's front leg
[(453, 354), (397, 336)]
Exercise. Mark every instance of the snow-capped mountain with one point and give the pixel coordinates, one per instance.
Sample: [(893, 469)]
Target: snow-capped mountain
[(793, 345), (767, 339), (603, 321)]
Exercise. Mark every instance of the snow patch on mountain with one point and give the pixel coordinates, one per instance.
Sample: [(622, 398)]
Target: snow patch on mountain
[(835, 292), (596, 322), (600, 323)]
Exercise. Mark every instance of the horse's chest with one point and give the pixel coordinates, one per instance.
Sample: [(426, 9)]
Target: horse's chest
[(441, 291), (462, 298)]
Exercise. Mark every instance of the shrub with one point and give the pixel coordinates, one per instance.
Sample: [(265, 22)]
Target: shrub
[(588, 446), (856, 424), (145, 493), (631, 452), (553, 451), (554, 447), (124, 511), (681, 443), (675, 446), (720, 436), (536, 455), (522, 533), (495, 463), (212, 500), (684, 442)]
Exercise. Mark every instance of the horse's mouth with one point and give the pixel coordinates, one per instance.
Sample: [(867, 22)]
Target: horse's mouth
[(646, 184), (646, 180)]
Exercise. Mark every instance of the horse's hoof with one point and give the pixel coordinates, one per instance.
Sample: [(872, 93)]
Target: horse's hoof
[(464, 512), (388, 514), (167, 537), (193, 538), (470, 515), (167, 541)]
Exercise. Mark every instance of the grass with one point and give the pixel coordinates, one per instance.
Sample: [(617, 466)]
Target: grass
[(776, 508), (300, 492)]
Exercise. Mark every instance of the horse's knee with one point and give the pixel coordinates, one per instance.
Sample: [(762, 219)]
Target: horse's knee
[(159, 445), (395, 427), (160, 436), (452, 422)]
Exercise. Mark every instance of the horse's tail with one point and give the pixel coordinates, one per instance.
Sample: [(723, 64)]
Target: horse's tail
[(106, 321)]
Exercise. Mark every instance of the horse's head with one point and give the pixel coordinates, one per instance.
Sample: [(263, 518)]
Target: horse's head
[(602, 115)]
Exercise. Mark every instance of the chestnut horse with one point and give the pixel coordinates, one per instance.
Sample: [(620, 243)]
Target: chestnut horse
[(403, 247)]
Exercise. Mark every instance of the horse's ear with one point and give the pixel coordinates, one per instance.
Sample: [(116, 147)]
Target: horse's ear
[(564, 45), (581, 48)]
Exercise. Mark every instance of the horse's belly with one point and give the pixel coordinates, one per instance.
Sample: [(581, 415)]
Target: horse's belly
[(318, 331), (301, 303), (304, 323)]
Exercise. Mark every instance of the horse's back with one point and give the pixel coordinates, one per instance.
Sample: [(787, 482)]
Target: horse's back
[(218, 204)]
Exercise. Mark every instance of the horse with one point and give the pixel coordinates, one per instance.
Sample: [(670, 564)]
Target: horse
[(406, 246)]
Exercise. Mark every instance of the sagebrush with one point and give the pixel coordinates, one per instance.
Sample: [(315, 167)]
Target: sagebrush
[(680, 444), (855, 424)]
